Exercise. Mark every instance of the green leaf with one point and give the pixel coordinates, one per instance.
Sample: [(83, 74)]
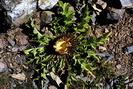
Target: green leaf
[(34, 52), (30, 61), (67, 14), (61, 63), (27, 52), (39, 35), (41, 50), (46, 58), (43, 75), (74, 79)]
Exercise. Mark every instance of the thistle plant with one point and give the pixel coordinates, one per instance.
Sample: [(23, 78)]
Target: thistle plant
[(68, 52)]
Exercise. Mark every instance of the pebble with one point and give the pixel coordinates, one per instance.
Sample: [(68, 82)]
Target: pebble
[(115, 14), (93, 18), (20, 76), (56, 78), (118, 66), (46, 16), (20, 60), (14, 49), (130, 86), (35, 86), (3, 67), (126, 3), (12, 43), (52, 87), (21, 48), (107, 56), (128, 50), (106, 30), (106, 86), (13, 85), (102, 48), (46, 4)]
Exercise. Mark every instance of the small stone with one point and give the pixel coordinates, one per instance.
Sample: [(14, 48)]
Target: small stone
[(93, 18), (106, 86), (107, 56), (56, 78), (102, 48), (128, 50), (20, 76), (106, 30), (13, 85), (130, 85), (3, 67), (47, 32), (126, 3), (14, 49), (46, 16), (35, 86), (12, 43), (115, 14), (52, 87), (20, 60), (21, 48), (46, 4), (118, 66)]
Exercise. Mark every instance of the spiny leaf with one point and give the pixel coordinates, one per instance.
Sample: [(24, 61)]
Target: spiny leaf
[(27, 52)]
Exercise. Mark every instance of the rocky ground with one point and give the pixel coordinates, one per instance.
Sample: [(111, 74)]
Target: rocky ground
[(118, 50)]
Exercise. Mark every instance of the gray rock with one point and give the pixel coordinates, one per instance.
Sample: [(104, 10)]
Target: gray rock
[(3, 67), (106, 30), (18, 11), (35, 86), (106, 86), (20, 60), (126, 3), (46, 4), (128, 50), (11, 42), (46, 16), (52, 87), (107, 56), (20, 76), (130, 85), (15, 49), (118, 66), (55, 78), (93, 18), (102, 48), (12, 85), (21, 48), (115, 14)]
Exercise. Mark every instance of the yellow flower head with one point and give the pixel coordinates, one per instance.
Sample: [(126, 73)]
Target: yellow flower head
[(63, 45)]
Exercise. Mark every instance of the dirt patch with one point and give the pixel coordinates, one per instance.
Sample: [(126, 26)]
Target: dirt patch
[(122, 36)]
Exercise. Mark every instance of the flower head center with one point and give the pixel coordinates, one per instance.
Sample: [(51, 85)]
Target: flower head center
[(62, 45)]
